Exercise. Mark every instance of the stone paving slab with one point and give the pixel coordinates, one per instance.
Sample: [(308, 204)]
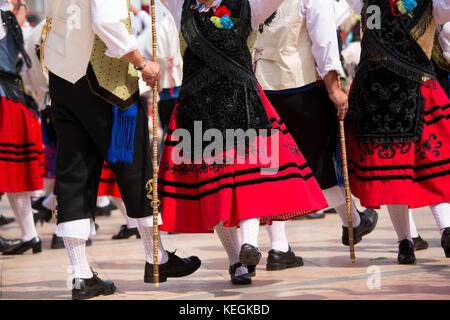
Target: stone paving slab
[(327, 273)]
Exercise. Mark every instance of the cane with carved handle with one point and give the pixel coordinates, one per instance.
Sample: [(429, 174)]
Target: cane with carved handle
[(155, 201), (348, 194)]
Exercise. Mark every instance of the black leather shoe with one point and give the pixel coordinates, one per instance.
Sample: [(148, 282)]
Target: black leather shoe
[(249, 255), (445, 242), (332, 210), (6, 244), (37, 204), (251, 271), (175, 267), (126, 233), (406, 252), (43, 215), (35, 244), (420, 244), (4, 220), (105, 211), (89, 288), (58, 242), (316, 215), (239, 280), (369, 219), (278, 260)]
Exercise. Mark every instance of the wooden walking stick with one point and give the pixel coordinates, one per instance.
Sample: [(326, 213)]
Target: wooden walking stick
[(348, 194), (155, 201)]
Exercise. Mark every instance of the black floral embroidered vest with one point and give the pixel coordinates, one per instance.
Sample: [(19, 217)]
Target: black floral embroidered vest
[(386, 104), (219, 86)]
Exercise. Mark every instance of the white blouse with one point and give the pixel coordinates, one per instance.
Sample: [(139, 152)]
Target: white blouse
[(444, 40), (260, 10), (320, 22), (107, 16), (441, 9)]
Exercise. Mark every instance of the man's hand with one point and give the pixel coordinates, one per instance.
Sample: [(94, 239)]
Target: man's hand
[(336, 94), (151, 73), (340, 100)]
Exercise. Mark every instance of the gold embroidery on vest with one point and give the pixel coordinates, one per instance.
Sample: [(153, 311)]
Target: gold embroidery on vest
[(116, 76)]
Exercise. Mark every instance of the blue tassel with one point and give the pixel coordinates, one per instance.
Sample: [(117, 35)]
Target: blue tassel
[(339, 169), (122, 135)]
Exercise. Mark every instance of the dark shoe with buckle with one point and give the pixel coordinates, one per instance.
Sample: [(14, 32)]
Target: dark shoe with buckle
[(90, 288), (315, 215), (6, 244), (34, 244), (243, 279), (58, 242), (126, 233), (249, 255), (278, 260), (420, 244), (175, 267), (406, 252), (369, 219), (4, 220), (445, 242)]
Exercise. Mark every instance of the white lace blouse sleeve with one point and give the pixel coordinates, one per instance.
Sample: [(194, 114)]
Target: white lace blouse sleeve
[(441, 11), (319, 15), (107, 16), (356, 5), (262, 9)]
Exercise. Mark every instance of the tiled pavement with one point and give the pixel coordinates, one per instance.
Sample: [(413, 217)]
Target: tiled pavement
[(327, 273)]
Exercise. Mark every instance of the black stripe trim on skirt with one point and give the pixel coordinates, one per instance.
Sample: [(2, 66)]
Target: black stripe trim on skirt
[(435, 108), (25, 145), (270, 132), (19, 152), (399, 167), (108, 180), (233, 185), (400, 177), (19, 160), (381, 168), (438, 118), (230, 175)]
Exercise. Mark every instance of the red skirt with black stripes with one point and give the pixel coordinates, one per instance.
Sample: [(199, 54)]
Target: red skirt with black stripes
[(268, 179), (108, 185), (22, 162), (416, 174)]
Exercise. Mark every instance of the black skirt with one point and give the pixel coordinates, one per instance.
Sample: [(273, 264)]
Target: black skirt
[(311, 119)]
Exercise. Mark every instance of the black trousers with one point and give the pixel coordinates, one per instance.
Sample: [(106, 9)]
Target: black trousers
[(311, 119), (83, 123)]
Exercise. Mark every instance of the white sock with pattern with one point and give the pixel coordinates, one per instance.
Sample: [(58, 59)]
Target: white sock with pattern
[(48, 202), (342, 211), (277, 235), (249, 231), (441, 213), (21, 205), (131, 223), (146, 233), (230, 241), (76, 248), (400, 220), (412, 226)]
